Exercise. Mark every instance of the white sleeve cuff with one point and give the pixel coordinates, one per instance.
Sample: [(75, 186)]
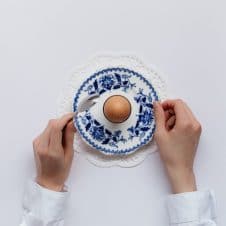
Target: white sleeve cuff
[(191, 207), (44, 204)]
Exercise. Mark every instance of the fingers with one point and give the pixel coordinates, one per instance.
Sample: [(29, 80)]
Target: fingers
[(168, 114), (159, 117), (65, 119), (183, 115), (44, 137), (68, 140), (68, 136), (57, 126), (55, 134), (36, 148), (170, 123), (179, 108), (53, 161)]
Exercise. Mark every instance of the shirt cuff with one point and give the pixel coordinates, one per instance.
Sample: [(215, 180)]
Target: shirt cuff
[(44, 204), (191, 207)]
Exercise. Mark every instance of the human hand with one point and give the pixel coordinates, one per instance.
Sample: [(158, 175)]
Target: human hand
[(177, 135), (53, 150)]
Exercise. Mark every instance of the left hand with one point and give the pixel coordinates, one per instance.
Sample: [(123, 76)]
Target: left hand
[(53, 151)]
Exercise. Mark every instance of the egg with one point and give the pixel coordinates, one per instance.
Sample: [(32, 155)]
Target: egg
[(117, 109)]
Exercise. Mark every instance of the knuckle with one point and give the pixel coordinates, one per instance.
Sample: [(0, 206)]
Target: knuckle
[(198, 127), (53, 156), (184, 102), (191, 126), (35, 143), (53, 124), (179, 101), (41, 152), (187, 125)]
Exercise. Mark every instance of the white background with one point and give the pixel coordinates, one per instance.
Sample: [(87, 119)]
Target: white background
[(42, 42)]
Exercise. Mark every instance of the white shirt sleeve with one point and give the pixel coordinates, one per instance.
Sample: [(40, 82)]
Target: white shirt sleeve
[(192, 209), (43, 207)]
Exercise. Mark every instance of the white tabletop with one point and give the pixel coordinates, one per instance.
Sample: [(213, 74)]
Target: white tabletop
[(42, 42)]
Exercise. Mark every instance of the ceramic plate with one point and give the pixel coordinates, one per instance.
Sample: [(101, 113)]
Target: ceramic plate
[(116, 138)]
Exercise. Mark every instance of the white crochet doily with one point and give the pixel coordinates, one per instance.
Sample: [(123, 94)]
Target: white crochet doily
[(65, 105)]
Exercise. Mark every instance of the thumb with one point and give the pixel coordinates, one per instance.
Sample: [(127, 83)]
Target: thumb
[(159, 117), (69, 140)]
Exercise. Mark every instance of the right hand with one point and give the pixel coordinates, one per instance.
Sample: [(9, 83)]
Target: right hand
[(177, 142), (53, 150)]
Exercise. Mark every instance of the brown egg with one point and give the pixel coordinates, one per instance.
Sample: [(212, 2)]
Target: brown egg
[(117, 109)]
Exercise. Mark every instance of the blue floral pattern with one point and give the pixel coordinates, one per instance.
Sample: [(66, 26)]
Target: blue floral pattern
[(110, 81), (100, 133), (145, 115)]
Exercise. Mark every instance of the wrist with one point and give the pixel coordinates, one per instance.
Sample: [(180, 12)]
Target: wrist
[(50, 186), (181, 180)]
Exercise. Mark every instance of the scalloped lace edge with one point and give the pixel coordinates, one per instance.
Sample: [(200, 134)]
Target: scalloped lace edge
[(65, 103)]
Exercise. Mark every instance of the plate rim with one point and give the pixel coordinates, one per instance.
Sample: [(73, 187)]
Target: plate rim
[(87, 139)]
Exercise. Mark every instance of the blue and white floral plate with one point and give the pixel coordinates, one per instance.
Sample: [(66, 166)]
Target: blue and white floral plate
[(116, 138)]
